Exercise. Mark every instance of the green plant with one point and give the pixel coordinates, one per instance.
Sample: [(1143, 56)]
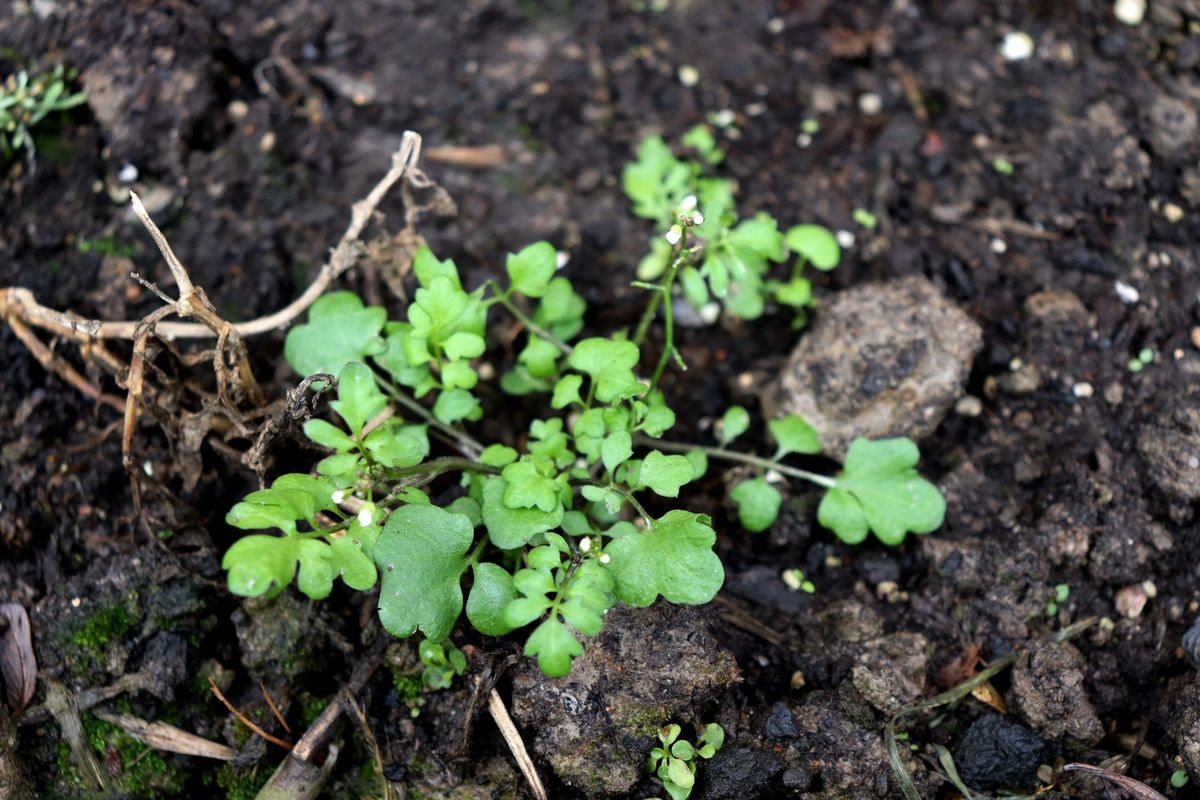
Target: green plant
[(26, 101), (732, 260), (442, 662), (674, 761), (1179, 778), (548, 530), (1143, 359), (1061, 592)]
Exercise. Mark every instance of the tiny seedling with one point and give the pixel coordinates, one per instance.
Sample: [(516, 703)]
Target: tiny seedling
[(864, 218), (25, 101), (1179, 778), (1002, 166), (1143, 359), (1061, 592), (794, 579), (674, 761), (442, 662)]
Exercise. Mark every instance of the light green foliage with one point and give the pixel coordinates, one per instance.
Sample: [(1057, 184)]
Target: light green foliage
[(674, 761), (339, 330), (539, 535), (673, 558), (758, 504), (263, 564), (1179, 778), (879, 489), (422, 555), (735, 264), (442, 662), (25, 101), (864, 218)]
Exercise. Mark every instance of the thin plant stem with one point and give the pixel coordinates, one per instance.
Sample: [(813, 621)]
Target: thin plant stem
[(466, 442), (743, 458), (668, 321), (651, 311), (502, 298)]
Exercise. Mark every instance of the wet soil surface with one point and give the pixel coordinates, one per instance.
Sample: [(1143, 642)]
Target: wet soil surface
[(252, 127)]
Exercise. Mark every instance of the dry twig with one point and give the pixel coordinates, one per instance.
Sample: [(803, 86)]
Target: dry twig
[(216, 690)]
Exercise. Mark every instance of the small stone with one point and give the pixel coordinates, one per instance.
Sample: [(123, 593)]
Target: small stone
[(775, 25), (870, 103), (1017, 46), (1114, 393), (1172, 126), (999, 246), (688, 75), (1130, 12), (128, 174), (891, 671), (845, 239), (1048, 690), (968, 406), (995, 752), (1172, 213), (1127, 293), (1082, 389), (883, 359), (780, 724), (238, 110), (1130, 601)]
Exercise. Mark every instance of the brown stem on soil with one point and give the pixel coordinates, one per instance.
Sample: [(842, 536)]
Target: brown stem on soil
[(216, 690), (274, 708), (51, 363), (517, 745)]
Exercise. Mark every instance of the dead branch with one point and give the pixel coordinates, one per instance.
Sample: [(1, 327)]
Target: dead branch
[(20, 302)]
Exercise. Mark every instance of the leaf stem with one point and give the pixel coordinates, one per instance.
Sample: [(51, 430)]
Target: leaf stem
[(526, 320), (744, 458), (668, 321), (652, 306), (465, 441)]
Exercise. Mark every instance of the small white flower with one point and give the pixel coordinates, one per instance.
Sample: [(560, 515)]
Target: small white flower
[(604, 559), (338, 497), (585, 544), (674, 235), (367, 515), (697, 218), (688, 203)]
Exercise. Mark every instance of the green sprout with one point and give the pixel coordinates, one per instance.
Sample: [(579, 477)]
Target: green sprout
[(1002, 166), (1061, 592), (442, 662), (25, 101), (864, 218), (1143, 359), (674, 761), (1179, 778)]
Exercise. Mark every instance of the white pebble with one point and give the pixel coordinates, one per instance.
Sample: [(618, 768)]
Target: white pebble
[(689, 75), (1017, 46), (1127, 293), (845, 239), (999, 246), (710, 313), (1130, 12), (128, 174), (775, 25), (870, 103), (1082, 389)]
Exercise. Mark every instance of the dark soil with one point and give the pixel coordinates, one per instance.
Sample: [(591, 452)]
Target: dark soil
[(254, 126)]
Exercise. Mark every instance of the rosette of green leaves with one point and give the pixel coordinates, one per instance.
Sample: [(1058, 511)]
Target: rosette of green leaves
[(434, 347), (674, 761)]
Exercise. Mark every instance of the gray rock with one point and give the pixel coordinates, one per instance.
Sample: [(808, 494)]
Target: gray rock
[(739, 773), (1047, 683), (596, 726), (780, 723), (1184, 726), (1172, 126), (890, 673), (883, 359), (995, 753), (1171, 448)]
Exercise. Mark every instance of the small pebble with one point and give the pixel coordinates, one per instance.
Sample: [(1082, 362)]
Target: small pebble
[(999, 246), (775, 25), (1195, 337), (1017, 46), (238, 110), (803, 140), (1131, 601), (1082, 389), (1172, 213), (845, 239), (1127, 293), (1130, 12), (689, 75), (968, 406), (128, 174), (870, 103)]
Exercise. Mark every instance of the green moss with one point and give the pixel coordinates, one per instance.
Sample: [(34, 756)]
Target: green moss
[(101, 628), (312, 709), (144, 772), (240, 785), (408, 685)]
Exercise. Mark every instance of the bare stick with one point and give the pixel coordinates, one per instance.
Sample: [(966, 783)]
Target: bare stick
[(51, 363), (513, 737), (274, 708)]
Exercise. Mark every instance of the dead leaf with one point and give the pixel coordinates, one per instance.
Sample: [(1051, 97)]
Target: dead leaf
[(17, 662), (986, 693), (960, 669)]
